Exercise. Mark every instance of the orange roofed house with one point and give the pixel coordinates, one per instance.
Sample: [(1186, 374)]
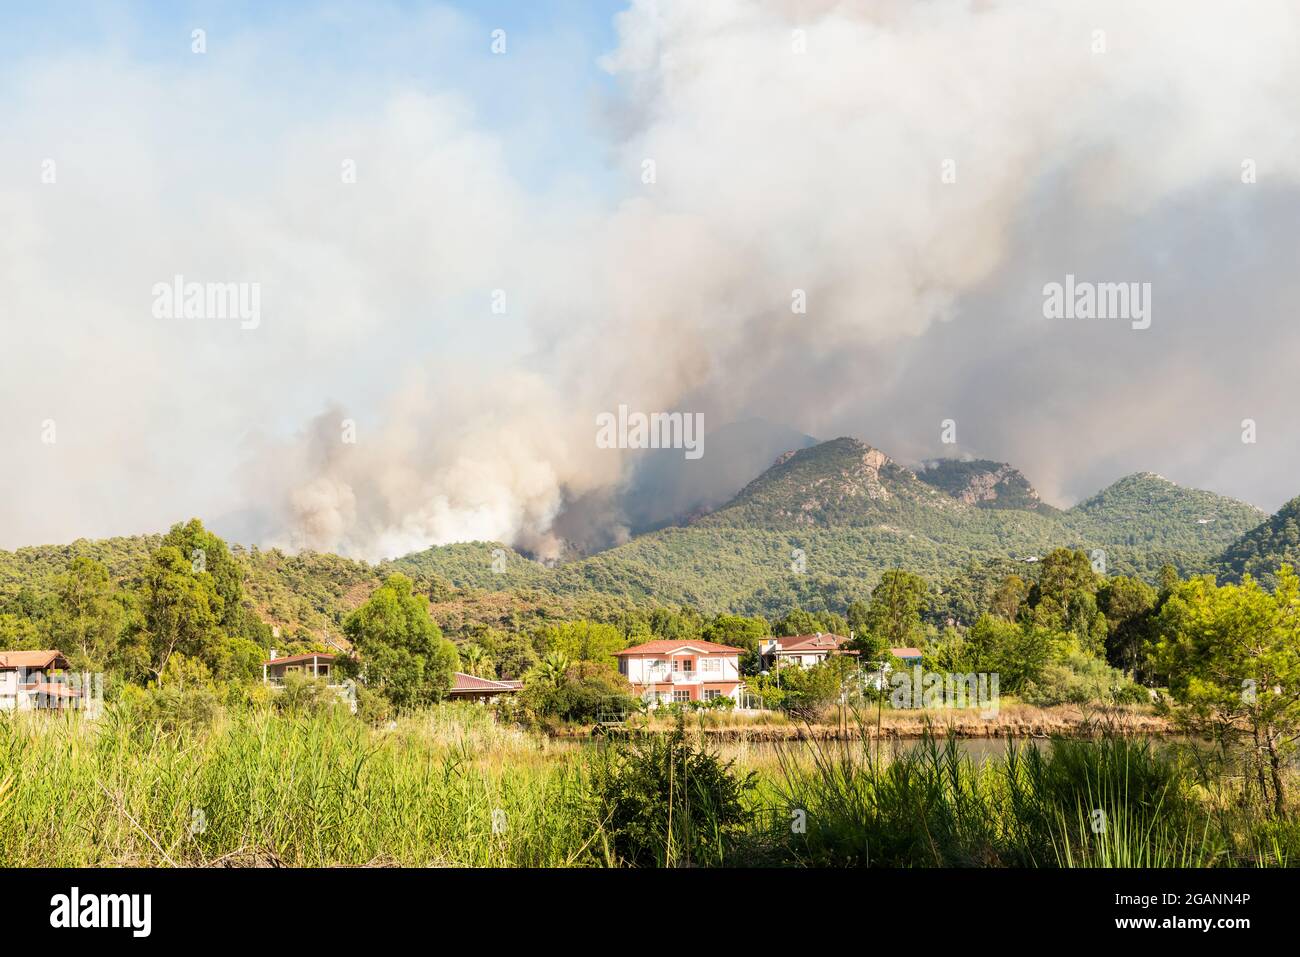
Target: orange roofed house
[(33, 680), (664, 672), (804, 650)]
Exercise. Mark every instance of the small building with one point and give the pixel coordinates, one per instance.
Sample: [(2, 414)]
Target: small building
[(804, 650), (908, 656), (316, 664), (36, 680), (473, 688), (678, 672)]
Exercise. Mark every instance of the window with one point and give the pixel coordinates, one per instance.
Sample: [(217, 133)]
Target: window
[(711, 664), (680, 696), (711, 693), (622, 666), (688, 665)]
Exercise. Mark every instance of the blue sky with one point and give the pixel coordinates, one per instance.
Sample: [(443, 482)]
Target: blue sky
[(543, 98)]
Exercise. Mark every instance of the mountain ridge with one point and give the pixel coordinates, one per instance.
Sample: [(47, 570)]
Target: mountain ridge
[(815, 529)]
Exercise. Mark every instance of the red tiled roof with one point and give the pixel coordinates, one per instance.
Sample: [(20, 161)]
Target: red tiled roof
[(320, 656), (820, 642), (30, 659), (905, 652), (665, 647), (56, 690), (466, 682)]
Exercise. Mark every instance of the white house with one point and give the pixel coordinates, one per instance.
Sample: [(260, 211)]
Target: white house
[(39, 680), (667, 672), (804, 650)]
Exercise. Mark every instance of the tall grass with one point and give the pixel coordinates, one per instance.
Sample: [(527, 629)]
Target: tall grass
[(1108, 802), (453, 786), (266, 789)]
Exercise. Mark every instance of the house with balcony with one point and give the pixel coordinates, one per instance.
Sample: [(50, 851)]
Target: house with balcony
[(803, 650), (39, 681), (315, 664), (679, 672)]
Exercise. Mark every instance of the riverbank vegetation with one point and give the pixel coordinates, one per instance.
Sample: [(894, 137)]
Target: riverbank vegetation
[(453, 785), (197, 761)]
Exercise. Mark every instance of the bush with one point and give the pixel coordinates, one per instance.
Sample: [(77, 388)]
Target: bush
[(372, 707), (585, 692), (176, 708), (1081, 678), (664, 802), (808, 693), (1110, 802), (304, 694)]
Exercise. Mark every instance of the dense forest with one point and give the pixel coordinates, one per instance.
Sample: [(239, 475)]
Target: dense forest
[(1065, 605)]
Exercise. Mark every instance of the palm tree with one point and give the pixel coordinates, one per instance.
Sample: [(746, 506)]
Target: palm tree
[(475, 660), (554, 668)]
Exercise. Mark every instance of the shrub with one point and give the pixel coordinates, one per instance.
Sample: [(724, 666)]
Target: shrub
[(584, 692), (664, 802), (305, 694), (1078, 679)]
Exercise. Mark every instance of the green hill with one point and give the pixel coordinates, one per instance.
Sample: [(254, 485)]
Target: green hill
[(1261, 550), (843, 482), (1148, 511), (843, 512), (814, 530)]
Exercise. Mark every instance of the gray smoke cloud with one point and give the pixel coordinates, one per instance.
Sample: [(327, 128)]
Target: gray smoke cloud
[(795, 146)]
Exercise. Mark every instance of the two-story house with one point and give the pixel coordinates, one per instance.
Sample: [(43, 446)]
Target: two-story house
[(804, 650), (667, 672), (33, 680)]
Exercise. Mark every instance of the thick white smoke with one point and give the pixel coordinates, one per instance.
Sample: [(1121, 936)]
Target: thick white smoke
[(794, 146)]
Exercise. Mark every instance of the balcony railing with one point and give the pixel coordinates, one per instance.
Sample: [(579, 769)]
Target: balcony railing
[(278, 681), (672, 677)]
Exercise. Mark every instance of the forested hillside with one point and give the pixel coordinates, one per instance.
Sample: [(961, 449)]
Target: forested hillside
[(814, 531), (1261, 550), (818, 528)]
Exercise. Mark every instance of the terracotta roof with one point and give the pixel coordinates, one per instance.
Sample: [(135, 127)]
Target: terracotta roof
[(56, 690), (818, 642), (30, 659), (466, 682), (664, 647), (319, 655), (905, 652)]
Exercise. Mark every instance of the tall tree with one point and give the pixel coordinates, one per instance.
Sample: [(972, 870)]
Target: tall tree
[(588, 644), (894, 614), (88, 620), (1065, 598), (1231, 656), (736, 631), (182, 609), (1129, 606), (403, 653), (208, 554)]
